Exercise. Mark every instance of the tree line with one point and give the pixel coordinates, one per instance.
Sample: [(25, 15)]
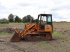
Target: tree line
[(16, 19)]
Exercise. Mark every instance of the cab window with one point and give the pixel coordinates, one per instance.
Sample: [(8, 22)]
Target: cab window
[(49, 19)]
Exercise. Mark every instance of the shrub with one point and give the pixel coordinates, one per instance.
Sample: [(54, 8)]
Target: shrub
[(4, 21)]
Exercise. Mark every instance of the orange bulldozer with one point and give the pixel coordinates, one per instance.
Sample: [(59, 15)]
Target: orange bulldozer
[(42, 27)]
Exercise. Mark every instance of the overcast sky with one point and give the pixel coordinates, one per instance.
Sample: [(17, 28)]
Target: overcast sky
[(60, 9)]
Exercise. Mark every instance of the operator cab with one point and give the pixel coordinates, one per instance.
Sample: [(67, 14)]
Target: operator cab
[(44, 19)]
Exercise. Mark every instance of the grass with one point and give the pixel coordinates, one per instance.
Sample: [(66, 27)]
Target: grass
[(57, 34), (4, 33), (3, 25)]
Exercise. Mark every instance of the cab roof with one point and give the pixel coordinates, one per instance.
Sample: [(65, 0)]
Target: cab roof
[(45, 14)]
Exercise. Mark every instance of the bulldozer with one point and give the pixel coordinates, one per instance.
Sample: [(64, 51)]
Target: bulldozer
[(43, 27)]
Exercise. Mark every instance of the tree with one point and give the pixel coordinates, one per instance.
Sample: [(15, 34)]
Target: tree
[(27, 18), (17, 19), (4, 21), (36, 20), (11, 18)]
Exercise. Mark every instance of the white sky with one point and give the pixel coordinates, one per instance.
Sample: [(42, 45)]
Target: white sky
[(60, 9)]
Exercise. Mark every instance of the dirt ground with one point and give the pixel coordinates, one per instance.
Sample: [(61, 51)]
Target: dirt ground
[(60, 43)]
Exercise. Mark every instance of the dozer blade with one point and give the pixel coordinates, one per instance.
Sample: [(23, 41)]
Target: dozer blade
[(15, 38)]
